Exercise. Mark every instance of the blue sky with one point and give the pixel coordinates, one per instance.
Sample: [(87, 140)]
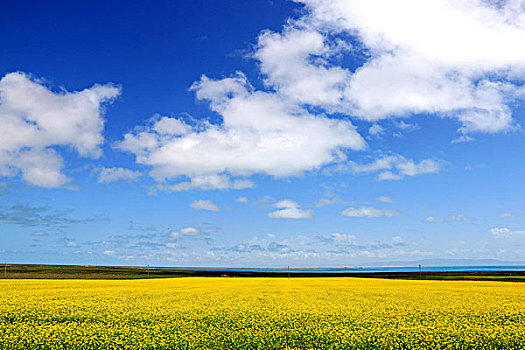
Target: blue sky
[(261, 133)]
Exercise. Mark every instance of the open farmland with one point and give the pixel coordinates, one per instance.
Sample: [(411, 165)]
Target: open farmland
[(264, 313)]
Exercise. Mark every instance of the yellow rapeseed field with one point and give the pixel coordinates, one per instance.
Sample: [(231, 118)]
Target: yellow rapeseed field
[(261, 313)]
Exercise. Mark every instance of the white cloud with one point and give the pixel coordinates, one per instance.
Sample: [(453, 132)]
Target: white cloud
[(499, 231), (207, 182), (39, 167), (261, 133), (242, 200), (401, 124), (109, 252), (321, 202), (376, 130), (504, 232), (388, 175), (107, 175), (289, 209), (204, 204), (342, 237), (35, 120), (188, 231), (454, 217), (435, 219), (286, 203), (401, 165), (369, 212), (286, 61), (385, 199), (291, 213), (171, 126), (426, 166), (462, 139), (466, 70), (507, 215), (191, 231)]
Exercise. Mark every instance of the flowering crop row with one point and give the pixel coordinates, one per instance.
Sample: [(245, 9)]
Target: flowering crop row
[(261, 313)]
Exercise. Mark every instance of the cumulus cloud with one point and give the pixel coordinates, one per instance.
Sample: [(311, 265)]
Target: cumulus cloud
[(289, 209), (261, 134), (369, 212), (295, 63), (204, 204), (170, 126), (469, 69), (395, 167), (36, 120), (107, 175)]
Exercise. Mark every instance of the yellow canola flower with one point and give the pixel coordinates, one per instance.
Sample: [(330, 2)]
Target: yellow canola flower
[(261, 313)]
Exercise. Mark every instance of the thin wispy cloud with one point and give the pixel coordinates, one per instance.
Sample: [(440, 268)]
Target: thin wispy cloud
[(204, 204), (396, 167), (385, 199), (107, 175), (31, 216), (369, 212), (449, 219)]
